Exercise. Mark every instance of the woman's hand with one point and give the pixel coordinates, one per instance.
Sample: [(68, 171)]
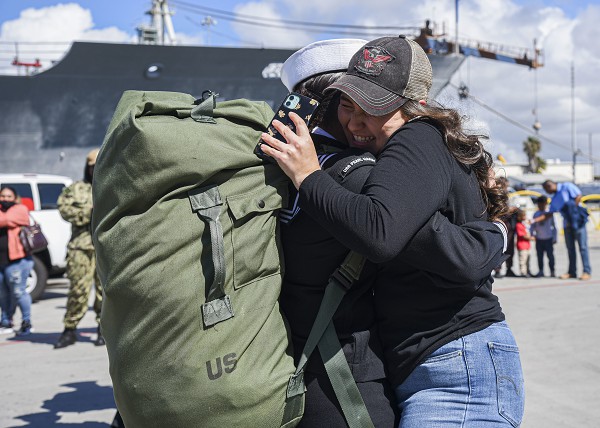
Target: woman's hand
[(297, 158)]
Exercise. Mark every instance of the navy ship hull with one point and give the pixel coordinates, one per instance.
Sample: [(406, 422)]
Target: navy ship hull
[(52, 119)]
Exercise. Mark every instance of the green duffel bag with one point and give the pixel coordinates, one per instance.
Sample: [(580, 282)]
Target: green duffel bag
[(185, 230)]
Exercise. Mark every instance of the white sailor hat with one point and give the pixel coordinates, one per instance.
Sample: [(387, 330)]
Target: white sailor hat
[(324, 56)]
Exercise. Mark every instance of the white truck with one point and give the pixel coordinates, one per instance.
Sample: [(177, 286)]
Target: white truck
[(39, 192)]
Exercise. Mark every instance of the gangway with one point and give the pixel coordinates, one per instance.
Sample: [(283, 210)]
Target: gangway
[(440, 44)]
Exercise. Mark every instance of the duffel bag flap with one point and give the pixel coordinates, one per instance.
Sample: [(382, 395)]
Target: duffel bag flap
[(155, 260)]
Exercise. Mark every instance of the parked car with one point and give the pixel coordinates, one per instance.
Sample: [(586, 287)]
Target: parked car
[(40, 192)]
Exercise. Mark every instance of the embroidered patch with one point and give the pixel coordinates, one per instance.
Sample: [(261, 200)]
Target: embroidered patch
[(373, 60), (358, 161)]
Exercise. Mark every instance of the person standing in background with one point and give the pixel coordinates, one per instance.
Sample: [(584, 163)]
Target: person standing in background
[(15, 263), (75, 206), (545, 236), (523, 244), (566, 198), (510, 221)]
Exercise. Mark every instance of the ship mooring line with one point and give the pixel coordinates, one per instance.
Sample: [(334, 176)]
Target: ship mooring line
[(521, 126)]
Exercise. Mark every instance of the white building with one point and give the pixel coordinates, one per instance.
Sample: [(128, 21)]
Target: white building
[(556, 170)]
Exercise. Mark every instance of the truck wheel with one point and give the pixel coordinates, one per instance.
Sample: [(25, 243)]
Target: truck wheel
[(36, 283)]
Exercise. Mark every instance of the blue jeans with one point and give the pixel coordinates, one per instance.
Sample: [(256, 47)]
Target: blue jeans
[(13, 290), (579, 235), (475, 381)]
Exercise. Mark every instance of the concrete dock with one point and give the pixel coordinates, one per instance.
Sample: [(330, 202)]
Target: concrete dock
[(556, 323)]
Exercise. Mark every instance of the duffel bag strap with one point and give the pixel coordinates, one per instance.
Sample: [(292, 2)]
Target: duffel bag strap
[(334, 293), (206, 202), (336, 365), (203, 112), (342, 381)]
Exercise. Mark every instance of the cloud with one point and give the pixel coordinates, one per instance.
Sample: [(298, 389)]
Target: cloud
[(505, 87), (189, 39), (62, 23), (586, 33), (510, 89), (267, 36)]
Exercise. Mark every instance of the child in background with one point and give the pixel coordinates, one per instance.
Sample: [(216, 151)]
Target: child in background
[(544, 233), (523, 244)]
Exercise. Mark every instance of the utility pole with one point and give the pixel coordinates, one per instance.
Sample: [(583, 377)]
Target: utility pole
[(536, 124), (573, 140), (456, 50), (17, 56), (591, 155)]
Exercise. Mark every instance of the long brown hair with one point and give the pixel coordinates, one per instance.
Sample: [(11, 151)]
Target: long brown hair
[(467, 149)]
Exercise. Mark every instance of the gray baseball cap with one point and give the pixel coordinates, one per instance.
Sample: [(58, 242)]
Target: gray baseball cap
[(385, 73)]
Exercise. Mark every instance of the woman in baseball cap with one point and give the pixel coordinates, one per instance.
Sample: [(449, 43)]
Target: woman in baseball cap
[(441, 338)]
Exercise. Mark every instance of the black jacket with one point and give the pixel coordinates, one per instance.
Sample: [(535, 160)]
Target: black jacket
[(433, 282)]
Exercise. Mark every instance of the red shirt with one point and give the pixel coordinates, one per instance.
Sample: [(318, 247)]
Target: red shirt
[(522, 242)]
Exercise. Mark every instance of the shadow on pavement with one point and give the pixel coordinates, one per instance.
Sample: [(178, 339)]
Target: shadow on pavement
[(84, 335), (52, 295), (85, 397)]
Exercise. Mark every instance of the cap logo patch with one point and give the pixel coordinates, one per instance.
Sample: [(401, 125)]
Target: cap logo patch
[(373, 60)]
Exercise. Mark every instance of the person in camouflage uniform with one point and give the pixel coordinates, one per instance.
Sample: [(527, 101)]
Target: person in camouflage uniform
[(75, 206)]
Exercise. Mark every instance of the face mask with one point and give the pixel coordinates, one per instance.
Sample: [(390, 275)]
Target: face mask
[(5, 205)]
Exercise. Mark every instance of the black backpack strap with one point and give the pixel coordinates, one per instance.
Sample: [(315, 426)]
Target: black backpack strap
[(324, 336), (206, 202)]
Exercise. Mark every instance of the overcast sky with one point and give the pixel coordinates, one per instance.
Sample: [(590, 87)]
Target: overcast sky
[(568, 31)]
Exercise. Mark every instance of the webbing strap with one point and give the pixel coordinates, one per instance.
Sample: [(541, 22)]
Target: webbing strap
[(349, 271), (341, 379), (334, 293), (203, 112), (206, 202), (338, 284)]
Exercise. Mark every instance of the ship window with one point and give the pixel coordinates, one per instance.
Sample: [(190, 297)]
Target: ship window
[(153, 71)]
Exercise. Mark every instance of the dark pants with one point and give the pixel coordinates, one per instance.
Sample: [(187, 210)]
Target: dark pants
[(545, 246), (510, 251), (323, 410), (510, 247)]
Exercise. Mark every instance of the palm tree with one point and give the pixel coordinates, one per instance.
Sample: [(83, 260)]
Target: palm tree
[(532, 147)]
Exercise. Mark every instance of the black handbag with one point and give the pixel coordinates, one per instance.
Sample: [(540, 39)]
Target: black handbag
[(33, 238)]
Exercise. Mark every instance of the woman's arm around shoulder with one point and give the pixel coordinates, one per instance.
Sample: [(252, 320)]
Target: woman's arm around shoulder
[(463, 254), (16, 216), (408, 184)]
